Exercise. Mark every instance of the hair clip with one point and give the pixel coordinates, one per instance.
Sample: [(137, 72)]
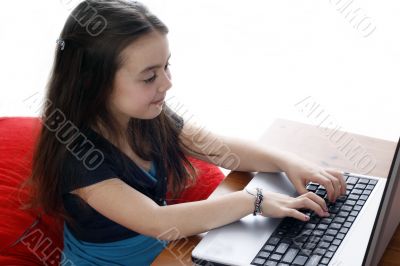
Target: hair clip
[(61, 43)]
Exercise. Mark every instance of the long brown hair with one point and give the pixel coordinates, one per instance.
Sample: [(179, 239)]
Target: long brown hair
[(80, 83)]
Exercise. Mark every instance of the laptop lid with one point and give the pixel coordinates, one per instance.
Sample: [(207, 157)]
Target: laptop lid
[(388, 217)]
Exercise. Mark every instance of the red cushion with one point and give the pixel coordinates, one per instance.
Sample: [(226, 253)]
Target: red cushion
[(209, 177), (43, 242), (17, 136)]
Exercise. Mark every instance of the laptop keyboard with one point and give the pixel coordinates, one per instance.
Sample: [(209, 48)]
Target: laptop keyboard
[(314, 242)]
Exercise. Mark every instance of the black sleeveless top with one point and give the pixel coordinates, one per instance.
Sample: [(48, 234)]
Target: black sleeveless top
[(91, 226)]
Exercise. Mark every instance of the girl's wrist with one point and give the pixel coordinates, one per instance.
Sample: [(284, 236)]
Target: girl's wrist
[(249, 199), (258, 197)]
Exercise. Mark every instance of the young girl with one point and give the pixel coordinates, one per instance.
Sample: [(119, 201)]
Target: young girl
[(110, 146)]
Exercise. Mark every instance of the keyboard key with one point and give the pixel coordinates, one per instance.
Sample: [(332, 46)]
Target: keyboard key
[(287, 240), (312, 187), (327, 238), (357, 208), (351, 218), (334, 209), (290, 255), (346, 208), (318, 233), (309, 245), (363, 197), (300, 260), (335, 226), (326, 220), (354, 213), (347, 224), (352, 180), (279, 233), (275, 257), (357, 191), (341, 198), (331, 232), (360, 186), (320, 193), (306, 232), (309, 226), (269, 248), (360, 202), (371, 187), (263, 254), (305, 252), (340, 236), (339, 220), (323, 226), (258, 261), (338, 204), (344, 230), (300, 240), (353, 197), (343, 214), (319, 251), (329, 254), (363, 181), (323, 244), (350, 202), (314, 239), (325, 260), (270, 263), (273, 240), (333, 248), (336, 242), (314, 260), (281, 249), (373, 181), (367, 192)]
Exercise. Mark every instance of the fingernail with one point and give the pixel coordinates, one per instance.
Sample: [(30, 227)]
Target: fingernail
[(307, 217)]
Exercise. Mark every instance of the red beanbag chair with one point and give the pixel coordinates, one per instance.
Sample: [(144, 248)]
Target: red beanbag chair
[(41, 240)]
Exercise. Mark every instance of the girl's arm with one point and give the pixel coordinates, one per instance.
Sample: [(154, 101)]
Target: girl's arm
[(232, 153), (250, 156), (126, 206)]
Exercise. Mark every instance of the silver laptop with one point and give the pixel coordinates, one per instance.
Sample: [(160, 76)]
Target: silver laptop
[(356, 233)]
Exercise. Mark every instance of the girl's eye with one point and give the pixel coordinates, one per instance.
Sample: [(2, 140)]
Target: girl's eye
[(150, 79), (155, 76)]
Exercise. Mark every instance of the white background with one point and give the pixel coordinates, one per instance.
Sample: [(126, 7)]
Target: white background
[(238, 65)]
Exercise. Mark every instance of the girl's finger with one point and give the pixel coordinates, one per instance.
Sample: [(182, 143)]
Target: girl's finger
[(307, 203), (317, 199), (295, 214), (335, 182), (339, 175), (326, 183)]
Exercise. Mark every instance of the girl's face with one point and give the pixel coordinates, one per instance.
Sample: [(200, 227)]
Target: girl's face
[(143, 79)]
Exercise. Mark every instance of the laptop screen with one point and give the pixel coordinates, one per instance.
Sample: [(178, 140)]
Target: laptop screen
[(388, 217)]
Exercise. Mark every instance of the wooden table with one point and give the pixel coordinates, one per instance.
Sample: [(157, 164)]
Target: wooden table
[(323, 146)]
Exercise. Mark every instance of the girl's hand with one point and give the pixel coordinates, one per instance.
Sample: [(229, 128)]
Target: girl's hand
[(300, 172), (278, 205)]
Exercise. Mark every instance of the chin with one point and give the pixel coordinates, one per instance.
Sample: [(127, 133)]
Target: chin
[(153, 113)]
